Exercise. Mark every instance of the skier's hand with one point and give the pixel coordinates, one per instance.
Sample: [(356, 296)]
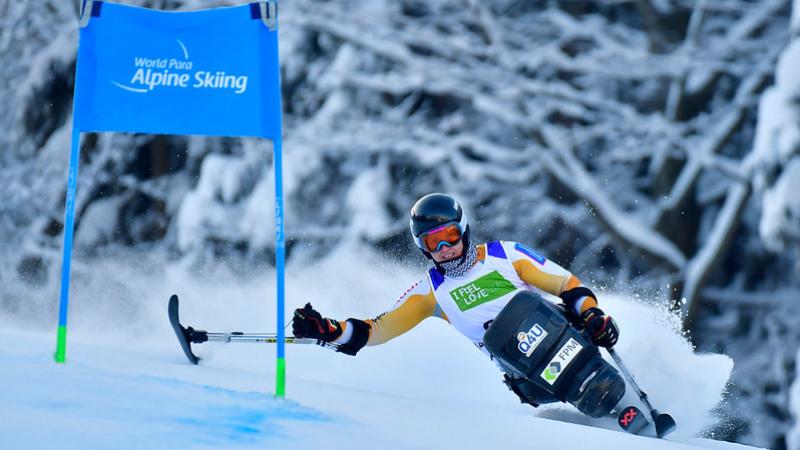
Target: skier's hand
[(602, 328), (308, 323)]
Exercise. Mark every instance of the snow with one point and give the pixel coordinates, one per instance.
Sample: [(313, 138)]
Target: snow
[(131, 387), (234, 198), (780, 220), (776, 132), (777, 143), (793, 436), (99, 222), (364, 205), (442, 97), (795, 24), (786, 73)]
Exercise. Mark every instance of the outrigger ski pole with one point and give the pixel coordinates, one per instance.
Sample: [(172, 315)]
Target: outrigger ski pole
[(664, 423), (188, 335)]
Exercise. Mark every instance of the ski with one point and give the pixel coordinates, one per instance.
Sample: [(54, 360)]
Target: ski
[(664, 423)]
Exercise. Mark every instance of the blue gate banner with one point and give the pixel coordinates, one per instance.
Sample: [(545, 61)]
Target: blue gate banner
[(210, 72)]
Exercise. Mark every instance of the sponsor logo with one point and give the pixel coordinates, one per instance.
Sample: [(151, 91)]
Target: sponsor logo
[(552, 372), (530, 340), (627, 417), (403, 296), (530, 253), (151, 73), (485, 289), (561, 361)]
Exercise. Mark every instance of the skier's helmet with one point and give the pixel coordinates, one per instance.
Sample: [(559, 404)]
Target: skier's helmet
[(437, 220)]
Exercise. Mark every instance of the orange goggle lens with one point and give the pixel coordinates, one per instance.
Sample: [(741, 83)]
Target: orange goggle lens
[(433, 240)]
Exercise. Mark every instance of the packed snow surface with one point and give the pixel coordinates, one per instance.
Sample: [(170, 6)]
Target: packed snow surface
[(127, 385)]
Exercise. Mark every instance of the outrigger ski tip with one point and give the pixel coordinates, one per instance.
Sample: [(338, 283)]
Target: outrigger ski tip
[(665, 424), (184, 335)]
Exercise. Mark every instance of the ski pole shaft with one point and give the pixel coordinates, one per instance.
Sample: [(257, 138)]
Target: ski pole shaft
[(642, 395), (663, 422), (256, 338)]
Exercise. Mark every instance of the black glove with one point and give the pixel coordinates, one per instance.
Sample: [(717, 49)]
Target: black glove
[(308, 323), (602, 328)]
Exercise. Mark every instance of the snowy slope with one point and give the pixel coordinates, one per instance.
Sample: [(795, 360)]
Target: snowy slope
[(131, 387)]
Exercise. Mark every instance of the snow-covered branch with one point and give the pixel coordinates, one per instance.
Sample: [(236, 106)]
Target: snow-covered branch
[(527, 111), (623, 225)]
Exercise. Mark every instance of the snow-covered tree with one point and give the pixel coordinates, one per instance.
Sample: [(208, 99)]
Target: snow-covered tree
[(649, 145)]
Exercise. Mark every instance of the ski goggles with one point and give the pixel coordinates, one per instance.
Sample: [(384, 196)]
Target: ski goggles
[(432, 241)]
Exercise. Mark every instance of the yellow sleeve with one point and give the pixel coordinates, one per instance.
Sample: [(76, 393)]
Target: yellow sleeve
[(415, 306), (544, 274)]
